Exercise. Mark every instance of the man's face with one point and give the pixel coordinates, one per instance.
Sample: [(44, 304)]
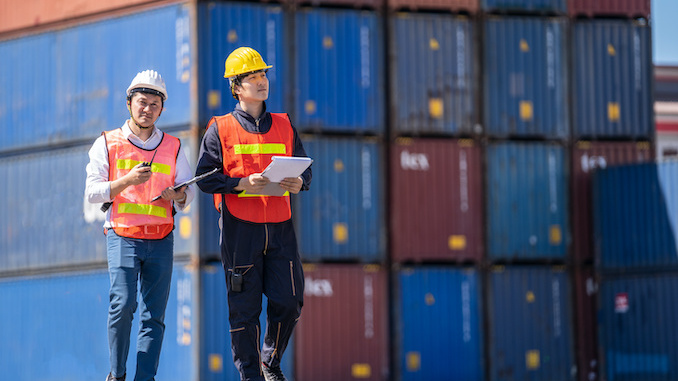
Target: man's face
[(253, 87), (146, 108)]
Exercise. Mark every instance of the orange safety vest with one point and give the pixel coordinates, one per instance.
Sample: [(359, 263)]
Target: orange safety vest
[(133, 214), (245, 153)]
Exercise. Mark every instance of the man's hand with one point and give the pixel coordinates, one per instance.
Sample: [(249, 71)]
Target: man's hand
[(138, 175), (252, 184), (292, 184), (178, 195)]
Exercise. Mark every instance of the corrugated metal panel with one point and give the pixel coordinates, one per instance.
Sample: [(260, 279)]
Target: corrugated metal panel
[(469, 6), (638, 336), (56, 328), (628, 8), (439, 324), (339, 71), (216, 360), (559, 6), (526, 77), (343, 330), (585, 323), (443, 220), (612, 80), (373, 4), (527, 182), (530, 328), (223, 27), (635, 210), (341, 217), (59, 214), (586, 158), (69, 85), (433, 77)]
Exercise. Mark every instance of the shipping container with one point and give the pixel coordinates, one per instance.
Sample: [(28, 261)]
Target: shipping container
[(612, 74), (527, 201), (341, 217), (635, 210), (525, 77), (69, 85), (223, 27), (439, 324), (433, 78), (524, 6), (605, 8), (587, 157), (43, 196), (441, 221), (343, 330), (458, 6), (530, 329), (637, 324), (339, 71), (586, 323), (358, 4)]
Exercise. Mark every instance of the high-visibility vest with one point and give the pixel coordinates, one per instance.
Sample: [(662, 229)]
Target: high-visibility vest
[(133, 214), (245, 153)]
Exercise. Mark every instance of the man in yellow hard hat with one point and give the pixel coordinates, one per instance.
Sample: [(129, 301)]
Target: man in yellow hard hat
[(258, 245)]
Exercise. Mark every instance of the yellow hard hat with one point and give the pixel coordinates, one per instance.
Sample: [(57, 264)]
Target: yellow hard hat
[(244, 60)]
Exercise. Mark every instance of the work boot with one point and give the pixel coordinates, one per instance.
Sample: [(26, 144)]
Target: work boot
[(272, 373), (111, 378)]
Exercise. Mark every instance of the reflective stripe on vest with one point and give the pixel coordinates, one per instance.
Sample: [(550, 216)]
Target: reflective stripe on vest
[(245, 153), (132, 213)]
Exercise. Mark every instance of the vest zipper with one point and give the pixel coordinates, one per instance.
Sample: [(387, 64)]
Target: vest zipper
[(266, 241), (294, 290)]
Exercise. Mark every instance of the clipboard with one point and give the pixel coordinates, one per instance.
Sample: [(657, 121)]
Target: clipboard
[(189, 182), (280, 168)]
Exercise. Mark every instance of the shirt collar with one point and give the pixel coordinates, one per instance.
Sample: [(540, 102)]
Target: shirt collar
[(152, 142)]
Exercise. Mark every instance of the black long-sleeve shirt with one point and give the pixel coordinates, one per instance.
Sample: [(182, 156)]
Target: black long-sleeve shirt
[(211, 156)]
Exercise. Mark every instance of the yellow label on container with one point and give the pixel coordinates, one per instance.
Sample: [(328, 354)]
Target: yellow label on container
[(529, 297), (232, 36), (611, 50), (413, 361), (310, 107), (216, 362), (433, 44), (555, 235), (435, 108), (456, 242), (429, 299), (340, 232), (328, 43), (338, 165), (524, 46), (213, 99), (532, 359), (361, 370), (185, 227), (613, 111), (526, 112), (186, 339)]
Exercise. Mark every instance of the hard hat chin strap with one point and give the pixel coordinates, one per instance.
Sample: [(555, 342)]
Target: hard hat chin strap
[(129, 108)]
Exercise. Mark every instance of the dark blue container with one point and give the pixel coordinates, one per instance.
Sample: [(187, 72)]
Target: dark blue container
[(612, 77), (223, 27), (69, 84), (530, 326), (536, 6), (433, 74), (527, 201), (637, 330), (525, 77), (635, 211), (341, 217), (339, 71), (438, 312)]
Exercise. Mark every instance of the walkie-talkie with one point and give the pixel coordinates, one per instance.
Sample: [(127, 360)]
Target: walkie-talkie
[(106, 205)]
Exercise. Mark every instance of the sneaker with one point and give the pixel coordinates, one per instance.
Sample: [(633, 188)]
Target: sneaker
[(111, 378), (272, 373)]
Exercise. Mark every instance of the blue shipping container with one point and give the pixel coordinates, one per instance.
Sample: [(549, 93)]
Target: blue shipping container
[(540, 6), (438, 314), (69, 84), (339, 71), (637, 327), (612, 80), (433, 74), (223, 27), (525, 70), (530, 326), (527, 201), (635, 211), (341, 216)]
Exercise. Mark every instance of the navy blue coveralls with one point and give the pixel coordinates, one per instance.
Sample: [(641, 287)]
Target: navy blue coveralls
[(266, 255)]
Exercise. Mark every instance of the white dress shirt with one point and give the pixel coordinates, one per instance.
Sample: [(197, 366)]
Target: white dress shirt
[(98, 187)]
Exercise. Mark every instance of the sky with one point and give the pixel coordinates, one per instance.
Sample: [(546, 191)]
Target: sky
[(664, 22)]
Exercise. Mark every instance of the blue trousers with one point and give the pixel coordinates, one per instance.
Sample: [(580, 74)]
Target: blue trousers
[(145, 265)]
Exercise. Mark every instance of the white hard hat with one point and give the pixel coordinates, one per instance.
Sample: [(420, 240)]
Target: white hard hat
[(148, 81)]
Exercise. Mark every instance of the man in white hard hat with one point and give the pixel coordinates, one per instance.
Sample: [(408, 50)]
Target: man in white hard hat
[(128, 167)]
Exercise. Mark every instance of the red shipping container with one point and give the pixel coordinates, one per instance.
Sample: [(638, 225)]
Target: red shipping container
[(586, 332), (586, 157), (436, 200), (628, 8), (343, 331), (467, 6)]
